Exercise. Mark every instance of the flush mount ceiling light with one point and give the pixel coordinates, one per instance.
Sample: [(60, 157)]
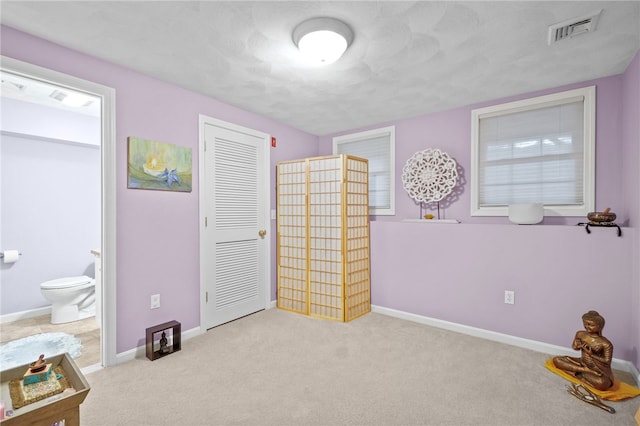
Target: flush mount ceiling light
[(323, 40)]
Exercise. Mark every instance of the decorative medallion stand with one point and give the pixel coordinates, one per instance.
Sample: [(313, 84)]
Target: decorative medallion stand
[(429, 176)]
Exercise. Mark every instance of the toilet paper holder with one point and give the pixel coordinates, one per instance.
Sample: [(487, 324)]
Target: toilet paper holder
[(2, 254)]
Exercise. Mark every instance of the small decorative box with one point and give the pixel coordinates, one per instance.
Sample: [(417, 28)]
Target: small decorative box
[(39, 376)]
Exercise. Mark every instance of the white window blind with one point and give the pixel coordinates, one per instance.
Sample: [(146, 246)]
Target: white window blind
[(535, 151), (377, 146)]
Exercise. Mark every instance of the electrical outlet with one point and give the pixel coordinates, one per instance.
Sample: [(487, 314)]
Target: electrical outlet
[(155, 301), (509, 297)]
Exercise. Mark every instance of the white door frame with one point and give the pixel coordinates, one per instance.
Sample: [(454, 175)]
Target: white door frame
[(203, 120), (108, 178)]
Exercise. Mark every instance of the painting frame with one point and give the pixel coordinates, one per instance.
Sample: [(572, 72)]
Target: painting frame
[(159, 166)]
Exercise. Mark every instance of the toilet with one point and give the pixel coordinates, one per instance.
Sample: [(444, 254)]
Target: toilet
[(72, 298)]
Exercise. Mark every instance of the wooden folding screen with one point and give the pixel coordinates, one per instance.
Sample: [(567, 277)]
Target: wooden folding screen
[(323, 237)]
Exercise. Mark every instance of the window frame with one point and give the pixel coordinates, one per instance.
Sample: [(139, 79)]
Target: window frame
[(389, 132), (589, 124)]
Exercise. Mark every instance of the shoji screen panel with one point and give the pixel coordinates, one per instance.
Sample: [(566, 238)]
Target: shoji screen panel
[(334, 244), (325, 238), (292, 236), (357, 273)]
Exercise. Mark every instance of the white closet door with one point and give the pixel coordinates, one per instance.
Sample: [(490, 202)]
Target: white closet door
[(235, 254)]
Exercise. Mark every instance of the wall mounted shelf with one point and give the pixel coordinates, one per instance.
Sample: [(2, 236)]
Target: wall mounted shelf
[(600, 225), (431, 220)]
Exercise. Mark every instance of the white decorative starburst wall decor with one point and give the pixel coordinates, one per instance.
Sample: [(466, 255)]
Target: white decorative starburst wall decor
[(429, 176)]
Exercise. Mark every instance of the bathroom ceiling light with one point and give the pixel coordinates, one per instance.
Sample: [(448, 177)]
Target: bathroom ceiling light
[(323, 40)]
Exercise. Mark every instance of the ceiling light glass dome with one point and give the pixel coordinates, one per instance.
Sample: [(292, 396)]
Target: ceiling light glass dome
[(323, 40)]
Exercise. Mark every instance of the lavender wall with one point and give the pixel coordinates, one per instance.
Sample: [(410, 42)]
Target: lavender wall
[(459, 272), (152, 223), (630, 125), (451, 132), (452, 272)]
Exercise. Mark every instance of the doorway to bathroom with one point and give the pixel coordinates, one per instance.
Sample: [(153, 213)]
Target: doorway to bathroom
[(57, 165)]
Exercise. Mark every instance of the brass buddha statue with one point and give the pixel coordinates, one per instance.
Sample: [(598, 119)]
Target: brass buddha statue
[(594, 365)]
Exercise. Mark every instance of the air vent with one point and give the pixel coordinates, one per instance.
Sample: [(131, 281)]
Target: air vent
[(573, 27), (71, 99), (58, 95)]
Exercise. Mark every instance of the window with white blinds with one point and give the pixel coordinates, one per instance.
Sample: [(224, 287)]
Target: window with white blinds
[(377, 146), (540, 150)]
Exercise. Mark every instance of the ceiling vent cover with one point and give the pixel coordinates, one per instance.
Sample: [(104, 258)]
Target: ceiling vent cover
[(573, 27), (58, 95)]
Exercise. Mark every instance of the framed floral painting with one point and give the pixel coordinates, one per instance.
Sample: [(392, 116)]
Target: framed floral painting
[(158, 165)]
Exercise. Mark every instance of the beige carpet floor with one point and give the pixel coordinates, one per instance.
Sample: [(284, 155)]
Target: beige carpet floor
[(279, 368)]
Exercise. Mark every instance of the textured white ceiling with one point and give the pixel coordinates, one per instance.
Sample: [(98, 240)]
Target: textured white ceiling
[(407, 58)]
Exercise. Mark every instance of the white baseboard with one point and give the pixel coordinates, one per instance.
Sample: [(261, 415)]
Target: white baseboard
[(534, 345), (16, 316), (140, 351)]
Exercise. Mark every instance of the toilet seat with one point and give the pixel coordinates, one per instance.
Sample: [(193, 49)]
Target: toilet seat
[(67, 282)]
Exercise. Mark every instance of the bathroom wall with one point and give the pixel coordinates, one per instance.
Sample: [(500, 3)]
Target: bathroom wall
[(50, 180), (38, 120)]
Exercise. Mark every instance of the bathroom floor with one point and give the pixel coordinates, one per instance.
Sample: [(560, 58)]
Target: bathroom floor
[(86, 330)]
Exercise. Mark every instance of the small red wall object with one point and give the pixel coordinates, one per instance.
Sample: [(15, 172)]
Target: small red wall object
[(273, 141)]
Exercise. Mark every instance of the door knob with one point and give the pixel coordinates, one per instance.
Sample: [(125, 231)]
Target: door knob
[(262, 232)]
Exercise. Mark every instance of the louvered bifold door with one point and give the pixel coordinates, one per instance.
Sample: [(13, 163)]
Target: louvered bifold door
[(292, 236), (239, 252)]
